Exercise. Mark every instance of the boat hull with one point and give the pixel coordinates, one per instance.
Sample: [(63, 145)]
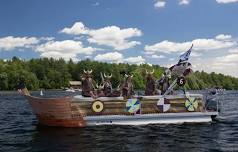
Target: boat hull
[(78, 112)]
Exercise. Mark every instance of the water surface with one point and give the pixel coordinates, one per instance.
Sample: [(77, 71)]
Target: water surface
[(20, 132)]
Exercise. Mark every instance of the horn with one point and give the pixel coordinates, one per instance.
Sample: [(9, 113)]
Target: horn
[(126, 75), (89, 72), (152, 71), (101, 86), (132, 76), (84, 71), (146, 71), (110, 76), (96, 85), (104, 75)]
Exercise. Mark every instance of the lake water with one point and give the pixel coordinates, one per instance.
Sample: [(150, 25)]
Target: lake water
[(19, 132)]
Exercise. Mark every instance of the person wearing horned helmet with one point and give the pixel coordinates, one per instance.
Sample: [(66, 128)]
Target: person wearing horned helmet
[(127, 88), (107, 85), (151, 87), (87, 84)]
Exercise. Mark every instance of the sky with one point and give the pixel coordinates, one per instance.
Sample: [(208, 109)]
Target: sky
[(128, 31)]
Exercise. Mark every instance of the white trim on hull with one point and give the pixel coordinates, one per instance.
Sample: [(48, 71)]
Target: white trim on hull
[(162, 118)]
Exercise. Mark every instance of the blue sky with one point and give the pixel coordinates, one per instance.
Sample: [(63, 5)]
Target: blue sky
[(133, 31)]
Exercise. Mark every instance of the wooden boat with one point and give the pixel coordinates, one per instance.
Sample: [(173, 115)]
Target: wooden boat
[(79, 111)]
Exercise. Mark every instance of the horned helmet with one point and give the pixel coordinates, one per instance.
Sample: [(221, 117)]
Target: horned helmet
[(99, 87), (150, 72), (107, 76), (128, 76), (87, 73)]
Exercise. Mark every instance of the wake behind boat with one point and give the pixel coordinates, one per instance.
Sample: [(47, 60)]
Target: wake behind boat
[(104, 106)]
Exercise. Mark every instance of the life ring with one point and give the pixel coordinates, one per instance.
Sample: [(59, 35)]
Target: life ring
[(191, 104), (97, 106)]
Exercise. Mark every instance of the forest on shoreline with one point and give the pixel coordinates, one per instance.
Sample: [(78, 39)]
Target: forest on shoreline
[(55, 74)]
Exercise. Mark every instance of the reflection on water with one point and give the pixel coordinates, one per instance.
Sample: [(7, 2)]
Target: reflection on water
[(19, 132)]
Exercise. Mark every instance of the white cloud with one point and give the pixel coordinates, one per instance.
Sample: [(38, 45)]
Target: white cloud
[(226, 1), (64, 49), (233, 50), (135, 60), (230, 58), (226, 64), (199, 44), (196, 54), (10, 42), (184, 2), (223, 37), (112, 36), (219, 54), (115, 37), (46, 38), (154, 56), (159, 4), (115, 57), (77, 29)]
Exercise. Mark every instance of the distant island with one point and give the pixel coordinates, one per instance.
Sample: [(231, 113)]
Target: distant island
[(56, 73)]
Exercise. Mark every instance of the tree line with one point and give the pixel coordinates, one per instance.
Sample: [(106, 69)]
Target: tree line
[(49, 73)]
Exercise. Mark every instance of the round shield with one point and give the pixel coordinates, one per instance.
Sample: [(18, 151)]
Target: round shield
[(191, 104), (97, 106), (133, 105)]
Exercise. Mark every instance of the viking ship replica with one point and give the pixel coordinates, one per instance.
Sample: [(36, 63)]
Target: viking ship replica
[(122, 107)]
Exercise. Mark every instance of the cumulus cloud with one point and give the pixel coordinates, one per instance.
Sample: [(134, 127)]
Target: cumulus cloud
[(218, 54), (155, 56), (233, 50), (117, 57), (160, 4), (199, 44), (226, 64), (223, 37), (196, 54), (77, 29), (135, 60), (112, 36), (64, 49), (184, 2), (230, 58), (10, 42), (226, 1)]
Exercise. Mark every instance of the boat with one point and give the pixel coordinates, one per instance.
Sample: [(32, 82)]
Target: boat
[(80, 111)]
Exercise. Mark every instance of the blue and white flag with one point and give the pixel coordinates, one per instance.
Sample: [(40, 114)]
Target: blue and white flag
[(185, 56)]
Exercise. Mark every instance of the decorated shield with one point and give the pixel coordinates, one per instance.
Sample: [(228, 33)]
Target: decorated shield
[(163, 104), (191, 104), (133, 106)]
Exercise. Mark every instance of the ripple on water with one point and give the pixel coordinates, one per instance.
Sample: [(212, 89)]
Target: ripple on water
[(19, 132)]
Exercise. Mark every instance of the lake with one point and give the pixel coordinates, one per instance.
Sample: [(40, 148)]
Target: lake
[(19, 132)]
